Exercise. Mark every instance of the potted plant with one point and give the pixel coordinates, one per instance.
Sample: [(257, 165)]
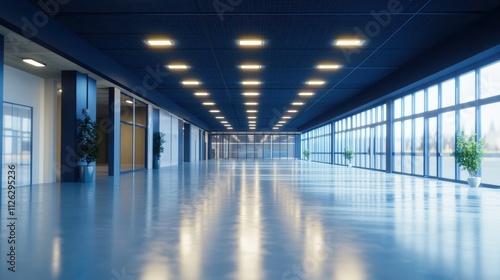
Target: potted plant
[(348, 154), (468, 155), (306, 154), (158, 140), (87, 147)]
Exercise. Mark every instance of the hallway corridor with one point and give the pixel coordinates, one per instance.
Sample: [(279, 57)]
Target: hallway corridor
[(255, 220)]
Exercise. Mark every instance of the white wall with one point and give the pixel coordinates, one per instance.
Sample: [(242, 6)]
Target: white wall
[(29, 90)]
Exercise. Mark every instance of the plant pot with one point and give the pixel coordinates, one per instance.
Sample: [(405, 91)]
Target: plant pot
[(349, 165), (156, 163), (474, 182), (86, 173)]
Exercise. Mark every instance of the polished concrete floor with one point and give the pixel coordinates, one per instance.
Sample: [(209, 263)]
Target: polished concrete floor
[(254, 220)]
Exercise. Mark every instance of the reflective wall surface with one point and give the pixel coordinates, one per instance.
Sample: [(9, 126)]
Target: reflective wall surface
[(226, 219)]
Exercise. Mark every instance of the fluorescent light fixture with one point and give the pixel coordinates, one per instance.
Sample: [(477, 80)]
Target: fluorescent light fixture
[(214, 111), (349, 42), (250, 66), (201, 93), (251, 103), (328, 66), (298, 103), (129, 101), (287, 117), (252, 127), (252, 117), (177, 66), (278, 125), (282, 122), (227, 125), (251, 94), (252, 121), (276, 128), (223, 122), (219, 117), (208, 103), (250, 83), (33, 62), (190, 83), (230, 128), (159, 42), (251, 43), (292, 111), (306, 93), (315, 82), (251, 111)]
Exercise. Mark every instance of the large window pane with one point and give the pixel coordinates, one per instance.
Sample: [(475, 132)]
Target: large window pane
[(419, 102), (397, 108), (467, 87), (448, 93), (419, 146), (490, 128), (432, 98), (448, 145), (407, 106), (433, 136), (490, 83)]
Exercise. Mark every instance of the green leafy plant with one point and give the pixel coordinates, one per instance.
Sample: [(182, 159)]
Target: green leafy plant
[(88, 140), (158, 140), (348, 154), (468, 152), (306, 154)]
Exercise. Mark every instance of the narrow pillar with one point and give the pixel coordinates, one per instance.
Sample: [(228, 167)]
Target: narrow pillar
[(389, 142), (78, 94), (187, 142), (298, 151), (149, 137), (210, 154), (114, 132), (1, 102)]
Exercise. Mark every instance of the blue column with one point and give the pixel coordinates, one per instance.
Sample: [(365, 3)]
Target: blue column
[(78, 94), (187, 142), (114, 132), (1, 100), (389, 141), (181, 142), (298, 151)]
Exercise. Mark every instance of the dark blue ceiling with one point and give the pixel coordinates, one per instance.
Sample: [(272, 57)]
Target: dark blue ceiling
[(298, 34)]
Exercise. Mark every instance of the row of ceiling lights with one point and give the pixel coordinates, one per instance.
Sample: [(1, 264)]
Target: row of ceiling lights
[(252, 119)]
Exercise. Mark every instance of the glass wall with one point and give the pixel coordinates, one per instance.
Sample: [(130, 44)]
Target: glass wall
[(133, 134), (364, 134), (319, 143), (424, 125), (253, 146), (17, 142)]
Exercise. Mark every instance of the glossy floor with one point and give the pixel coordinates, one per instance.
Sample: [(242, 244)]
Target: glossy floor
[(255, 220)]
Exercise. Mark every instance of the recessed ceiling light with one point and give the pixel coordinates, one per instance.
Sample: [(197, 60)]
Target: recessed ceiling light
[(129, 101), (201, 93), (298, 103), (252, 127), (328, 66), (252, 121), (250, 83), (251, 103), (227, 125), (278, 125), (251, 111), (251, 43), (250, 66), (251, 93), (306, 93), (159, 42), (252, 117), (190, 83), (315, 82), (208, 103), (292, 111), (276, 128), (282, 122), (230, 128), (223, 122), (219, 117), (177, 66), (33, 62), (214, 111), (349, 42), (287, 117)]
